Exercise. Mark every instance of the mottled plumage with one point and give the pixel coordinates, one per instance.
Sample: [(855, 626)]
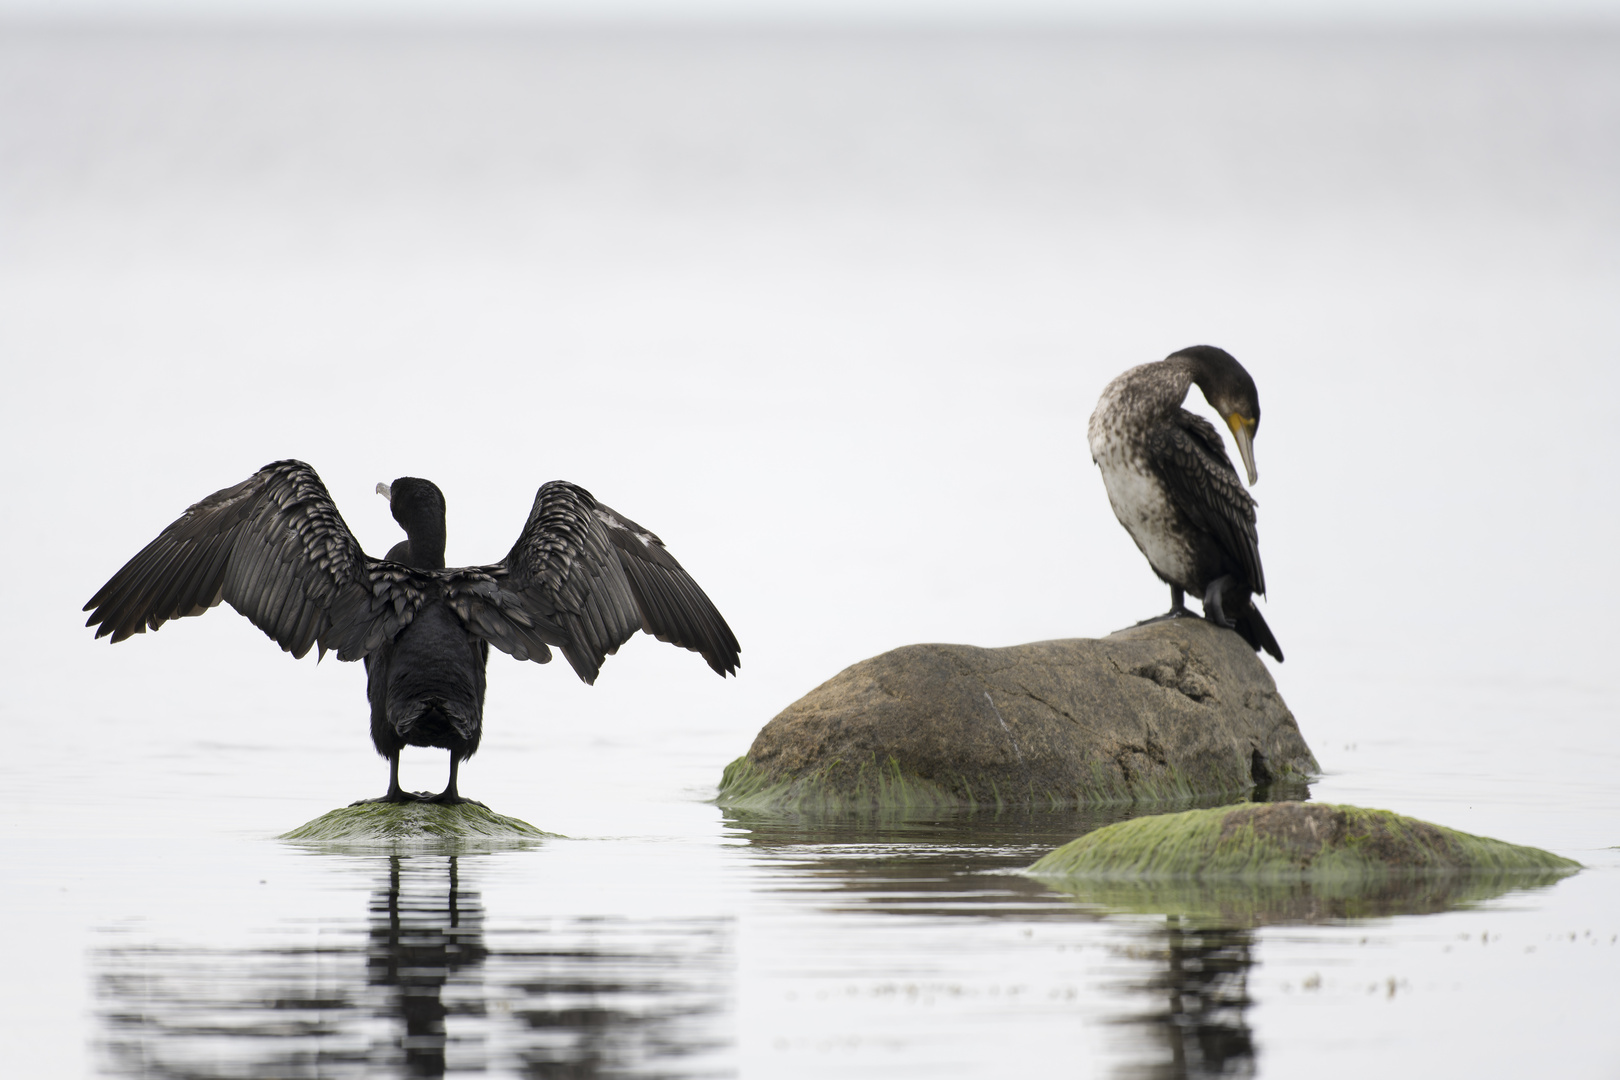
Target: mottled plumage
[(1174, 489), (581, 578)]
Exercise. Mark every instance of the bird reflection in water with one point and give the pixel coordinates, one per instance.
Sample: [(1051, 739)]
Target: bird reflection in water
[(1202, 1027), (955, 865), (422, 993), (419, 941)]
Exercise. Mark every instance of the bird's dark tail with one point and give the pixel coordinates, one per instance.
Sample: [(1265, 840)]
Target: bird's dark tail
[(448, 725), (1251, 625)]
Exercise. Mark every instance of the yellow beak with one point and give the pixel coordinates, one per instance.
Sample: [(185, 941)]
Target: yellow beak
[(1243, 433)]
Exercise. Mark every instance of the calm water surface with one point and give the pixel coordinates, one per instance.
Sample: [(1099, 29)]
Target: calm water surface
[(705, 943), (828, 312)]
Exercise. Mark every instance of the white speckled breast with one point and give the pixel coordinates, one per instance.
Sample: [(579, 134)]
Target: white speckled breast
[(1138, 497)]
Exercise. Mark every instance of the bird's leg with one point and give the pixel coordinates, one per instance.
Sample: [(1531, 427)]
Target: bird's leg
[(1178, 607), (396, 794), (449, 796), (1212, 602)]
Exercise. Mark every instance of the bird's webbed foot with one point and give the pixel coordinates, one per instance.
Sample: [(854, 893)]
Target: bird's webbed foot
[(450, 798), (396, 796), (1178, 608), (1173, 613), (1212, 603)]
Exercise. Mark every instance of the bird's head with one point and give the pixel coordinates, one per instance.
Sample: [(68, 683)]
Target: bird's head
[(418, 506), (412, 499), (1231, 392)]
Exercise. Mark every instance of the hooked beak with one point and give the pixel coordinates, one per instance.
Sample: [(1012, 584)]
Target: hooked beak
[(382, 489), (1243, 433)]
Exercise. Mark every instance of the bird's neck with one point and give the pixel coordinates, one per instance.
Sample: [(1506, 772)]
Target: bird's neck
[(425, 548), (1184, 373), (1158, 389), (1194, 372)]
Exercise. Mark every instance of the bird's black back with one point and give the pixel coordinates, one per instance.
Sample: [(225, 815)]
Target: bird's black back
[(1187, 455), (426, 688)]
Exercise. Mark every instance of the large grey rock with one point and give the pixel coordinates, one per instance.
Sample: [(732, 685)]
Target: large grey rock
[(1166, 712)]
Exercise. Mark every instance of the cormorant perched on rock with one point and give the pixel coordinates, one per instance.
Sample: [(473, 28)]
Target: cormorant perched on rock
[(581, 578), (1174, 489)]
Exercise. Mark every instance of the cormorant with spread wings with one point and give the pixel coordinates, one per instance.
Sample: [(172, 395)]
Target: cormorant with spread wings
[(1175, 490), (581, 578)]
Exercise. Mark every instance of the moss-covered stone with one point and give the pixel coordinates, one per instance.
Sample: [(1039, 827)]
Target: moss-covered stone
[(1256, 864), (1245, 902), (1170, 712), (1288, 841), (404, 823), (864, 785)]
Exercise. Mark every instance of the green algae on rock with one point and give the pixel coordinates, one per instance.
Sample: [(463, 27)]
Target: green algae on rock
[(1170, 712), (867, 785), (1286, 840), (1244, 902), (397, 823), (1256, 864)]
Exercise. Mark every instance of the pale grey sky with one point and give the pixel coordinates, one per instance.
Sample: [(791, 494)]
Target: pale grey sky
[(859, 11)]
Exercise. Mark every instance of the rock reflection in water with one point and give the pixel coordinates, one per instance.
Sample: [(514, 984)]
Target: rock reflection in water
[(941, 863), (1236, 901), (1187, 1015), (1204, 951), (421, 991)]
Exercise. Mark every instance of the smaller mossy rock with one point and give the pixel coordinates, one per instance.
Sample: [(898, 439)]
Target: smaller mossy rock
[(1171, 712), (405, 823), (1289, 863), (1289, 840)]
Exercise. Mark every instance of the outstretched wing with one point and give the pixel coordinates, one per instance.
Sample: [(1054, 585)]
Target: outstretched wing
[(673, 608), (562, 572), (276, 549), (1192, 462), (569, 570), (514, 619)]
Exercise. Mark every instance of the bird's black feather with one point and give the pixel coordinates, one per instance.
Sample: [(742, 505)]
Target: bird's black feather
[(275, 548), (1174, 489), (1190, 459), (580, 578), (671, 605)]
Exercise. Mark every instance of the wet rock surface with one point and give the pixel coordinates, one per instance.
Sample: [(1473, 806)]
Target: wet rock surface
[(407, 823), (1171, 711), (1289, 840), (1282, 863)]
